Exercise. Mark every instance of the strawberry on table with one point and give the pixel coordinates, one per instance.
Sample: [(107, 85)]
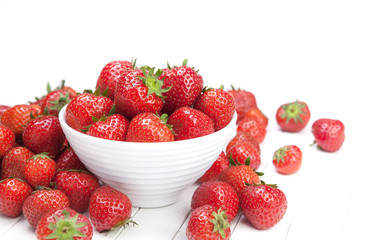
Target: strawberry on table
[(252, 126), (287, 159), (329, 134), (57, 99), (293, 116), (220, 164), (113, 127), (39, 170), (242, 151), (7, 140), (3, 108), (243, 137), (69, 160), (244, 101), (14, 162), (257, 114)]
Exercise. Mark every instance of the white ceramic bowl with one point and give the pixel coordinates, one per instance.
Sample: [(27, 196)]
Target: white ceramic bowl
[(150, 174)]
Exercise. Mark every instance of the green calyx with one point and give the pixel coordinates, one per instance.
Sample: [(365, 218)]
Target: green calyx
[(124, 223), (60, 102), (43, 155), (280, 155), (66, 228), (293, 111), (97, 92), (152, 81), (220, 222)]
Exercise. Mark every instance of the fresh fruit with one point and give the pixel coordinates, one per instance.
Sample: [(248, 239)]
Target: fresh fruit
[(39, 170), (3, 108), (257, 114), (293, 116), (186, 85), (244, 101), (69, 160), (42, 201), (78, 186), (82, 108), (148, 127), (14, 162), (109, 208), (139, 91), (44, 134), (253, 127), (243, 137), (263, 205), (329, 134), (220, 164), (218, 194), (57, 99), (240, 153), (113, 127), (65, 223), (188, 123), (110, 74), (218, 104), (206, 223), (13, 193), (7, 140), (287, 159)]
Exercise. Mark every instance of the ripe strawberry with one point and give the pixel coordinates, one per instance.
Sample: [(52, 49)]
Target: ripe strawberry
[(139, 91), (218, 104), (65, 223), (3, 108), (44, 134), (110, 74), (57, 99), (78, 187), (243, 137), (253, 127), (41, 202), (39, 170), (69, 160), (109, 208), (113, 127), (240, 153), (186, 85), (14, 162), (13, 193), (244, 101), (218, 194), (220, 164), (263, 205), (258, 115), (190, 123), (329, 134), (206, 223), (82, 108), (287, 159), (7, 140), (148, 127), (293, 116)]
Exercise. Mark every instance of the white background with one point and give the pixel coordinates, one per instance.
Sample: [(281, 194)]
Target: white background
[(314, 51)]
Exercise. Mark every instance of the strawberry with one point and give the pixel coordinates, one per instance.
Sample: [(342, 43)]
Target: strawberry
[(65, 223), (44, 134), (42, 201), (13, 193), (69, 160), (243, 137), (82, 108), (220, 164), (78, 186), (244, 101), (39, 170), (206, 223), (293, 116), (218, 194), (287, 159), (3, 108), (240, 153), (253, 127), (258, 115), (113, 127), (190, 123), (110, 74), (14, 162), (139, 91), (263, 205), (186, 85), (7, 140), (57, 99), (329, 134), (218, 104), (109, 208), (148, 127)]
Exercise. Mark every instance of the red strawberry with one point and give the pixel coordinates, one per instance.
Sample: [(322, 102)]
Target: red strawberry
[(65, 223), (190, 123), (206, 223), (110, 74), (113, 127), (78, 187), (7, 140), (287, 159), (39, 170), (243, 137), (258, 115), (263, 205), (244, 101), (220, 164), (186, 85), (13, 193), (253, 127), (148, 127), (329, 134), (218, 194), (41, 202), (69, 160), (240, 153), (218, 104), (14, 162), (44, 134), (3, 108), (57, 99), (81, 109), (293, 116), (139, 91), (109, 208)]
